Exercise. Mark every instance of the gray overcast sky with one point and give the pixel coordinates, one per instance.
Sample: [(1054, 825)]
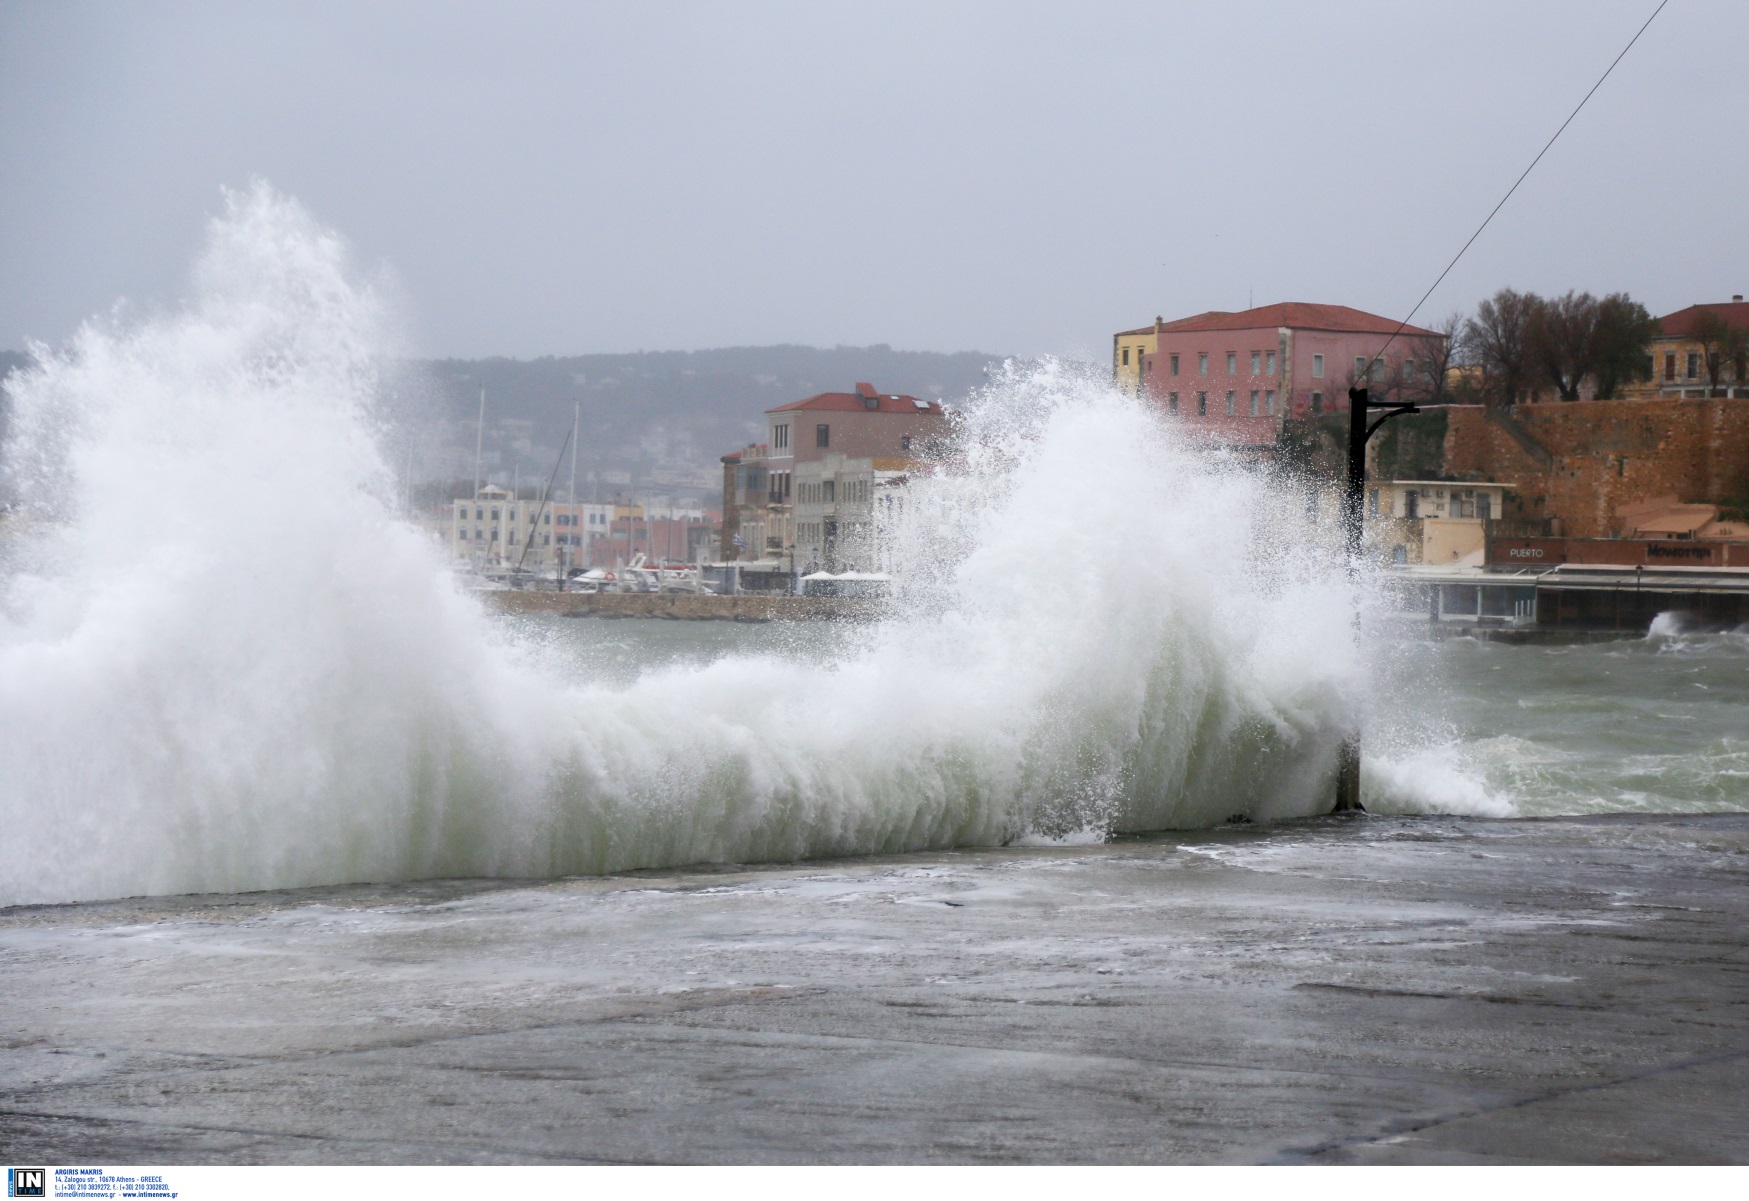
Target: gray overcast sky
[(1021, 178)]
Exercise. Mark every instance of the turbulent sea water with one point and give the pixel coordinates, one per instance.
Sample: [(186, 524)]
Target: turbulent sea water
[(227, 664)]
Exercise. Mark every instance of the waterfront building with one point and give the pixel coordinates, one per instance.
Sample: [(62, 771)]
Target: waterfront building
[(1128, 350), (1433, 521), (1234, 378), (756, 508), (847, 511), (759, 480), (492, 531)]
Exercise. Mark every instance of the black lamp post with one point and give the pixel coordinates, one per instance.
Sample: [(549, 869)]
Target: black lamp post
[(1353, 517)]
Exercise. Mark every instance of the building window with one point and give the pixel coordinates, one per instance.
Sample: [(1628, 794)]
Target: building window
[(1255, 404), (1317, 402), (462, 534), (822, 435), (1202, 404), (1359, 368), (780, 437), (1150, 365), (1485, 506), (1693, 365), (494, 514), (1256, 361), (1202, 363), (1126, 356), (1269, 363), (1174, 364), (1232, 363), (1669, 366), (905, 442), (1408, 371), (1269, 403), (1172, 402), (1412, 504), (1231, 410)]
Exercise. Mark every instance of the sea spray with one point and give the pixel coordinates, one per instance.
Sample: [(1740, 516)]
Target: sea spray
[(226, 665)]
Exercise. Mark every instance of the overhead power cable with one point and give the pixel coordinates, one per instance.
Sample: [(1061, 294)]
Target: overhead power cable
[(1401, 326)]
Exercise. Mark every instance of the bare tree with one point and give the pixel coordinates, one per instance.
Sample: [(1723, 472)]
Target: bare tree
[(1563, 336), (1435, 354), (1500, 336), (1722, 345)]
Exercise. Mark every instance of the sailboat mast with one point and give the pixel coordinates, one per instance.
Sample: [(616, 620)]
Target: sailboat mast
[(479, 439)]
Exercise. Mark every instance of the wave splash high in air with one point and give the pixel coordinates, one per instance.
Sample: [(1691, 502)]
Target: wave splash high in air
[(226, 665)]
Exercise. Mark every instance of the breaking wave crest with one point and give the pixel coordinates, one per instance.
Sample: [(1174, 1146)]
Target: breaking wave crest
[(226, 665)]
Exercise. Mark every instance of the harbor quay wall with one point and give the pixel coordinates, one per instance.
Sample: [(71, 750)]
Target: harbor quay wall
[(683, 606)]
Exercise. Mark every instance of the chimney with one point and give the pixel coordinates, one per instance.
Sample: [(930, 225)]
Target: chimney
[(1737, 299)]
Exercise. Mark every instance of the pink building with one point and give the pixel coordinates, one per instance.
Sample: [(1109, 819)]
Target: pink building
[(1236, 376), (859, 425)]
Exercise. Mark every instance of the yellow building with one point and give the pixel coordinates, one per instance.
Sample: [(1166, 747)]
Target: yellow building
[(1684, 364), (1440, 522), (1129, 351)]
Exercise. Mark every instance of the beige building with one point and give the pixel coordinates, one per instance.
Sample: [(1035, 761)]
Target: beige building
[(1432, 521), (492, 531), (847, 511)]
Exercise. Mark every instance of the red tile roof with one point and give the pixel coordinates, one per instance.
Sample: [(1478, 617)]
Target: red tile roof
[(1332, 318), (1681, 324), (845, 402)]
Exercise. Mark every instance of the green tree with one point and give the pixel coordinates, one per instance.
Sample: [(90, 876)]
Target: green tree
[(1620, 350)]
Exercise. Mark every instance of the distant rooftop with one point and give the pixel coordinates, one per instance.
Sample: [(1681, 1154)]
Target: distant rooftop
[(1683, 322), (864, 400), (1330, 318)]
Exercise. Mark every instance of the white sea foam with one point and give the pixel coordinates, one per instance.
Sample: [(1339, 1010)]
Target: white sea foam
[(225, 665)]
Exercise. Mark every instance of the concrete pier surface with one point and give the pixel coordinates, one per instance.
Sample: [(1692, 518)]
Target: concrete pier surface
[(1377, 990)]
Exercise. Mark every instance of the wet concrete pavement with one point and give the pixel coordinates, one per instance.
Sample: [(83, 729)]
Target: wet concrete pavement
[(1372, 991)]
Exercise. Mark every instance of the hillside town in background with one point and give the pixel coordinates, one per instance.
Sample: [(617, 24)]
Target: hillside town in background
[(1567, 433)]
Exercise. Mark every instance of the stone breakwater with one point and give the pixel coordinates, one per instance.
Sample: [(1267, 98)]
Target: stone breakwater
[(686, 606)]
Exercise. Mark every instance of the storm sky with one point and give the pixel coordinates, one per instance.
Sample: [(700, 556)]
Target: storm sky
[(1012, 178)]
